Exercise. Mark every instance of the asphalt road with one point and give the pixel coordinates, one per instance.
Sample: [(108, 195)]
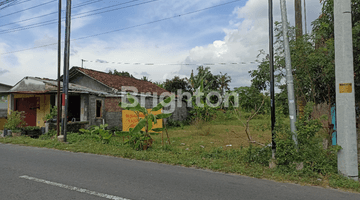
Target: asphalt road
[(35, 173)]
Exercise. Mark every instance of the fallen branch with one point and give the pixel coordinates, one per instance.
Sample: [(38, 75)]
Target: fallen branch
[(247, 129)]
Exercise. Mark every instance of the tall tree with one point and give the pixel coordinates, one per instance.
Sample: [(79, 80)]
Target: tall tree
[(122, 73), (224, 81), (323, 27), (211, 81), (313, 58), (176, 83)]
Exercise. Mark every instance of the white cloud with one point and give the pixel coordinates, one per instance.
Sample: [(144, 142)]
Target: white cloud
[(80, 20), (130, 52), (242, 36), (248, 35)]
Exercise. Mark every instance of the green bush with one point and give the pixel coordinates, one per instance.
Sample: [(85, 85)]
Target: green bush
[(51, 115), (97, 133), (260, 155), (31, 128), (48, 135), (32, 131), (175, 123), (309, 151), (15, 121)]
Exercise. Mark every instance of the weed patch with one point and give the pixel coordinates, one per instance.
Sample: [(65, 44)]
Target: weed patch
[(190, 149)]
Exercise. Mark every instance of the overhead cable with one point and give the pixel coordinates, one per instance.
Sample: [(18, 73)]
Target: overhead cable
[(14, 3), (75, 6), (167, 64), (28, 8), (130, 27), (80, 15)]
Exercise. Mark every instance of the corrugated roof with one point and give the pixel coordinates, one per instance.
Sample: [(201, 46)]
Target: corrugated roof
[(116, 81), (5, 85), (74, 87), (51, 87)]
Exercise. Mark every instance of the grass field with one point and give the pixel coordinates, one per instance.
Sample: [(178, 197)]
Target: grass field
[(219, 145)]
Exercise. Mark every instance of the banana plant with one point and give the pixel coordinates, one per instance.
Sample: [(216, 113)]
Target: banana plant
[(141, 140)]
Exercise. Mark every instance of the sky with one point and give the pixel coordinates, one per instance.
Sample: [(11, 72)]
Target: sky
[(158, 39)]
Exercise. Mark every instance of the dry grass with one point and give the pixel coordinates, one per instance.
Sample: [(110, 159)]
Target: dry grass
[(208, 135)]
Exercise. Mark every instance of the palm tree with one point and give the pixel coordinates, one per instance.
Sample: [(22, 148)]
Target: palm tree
[(210, 81), (224, 81)]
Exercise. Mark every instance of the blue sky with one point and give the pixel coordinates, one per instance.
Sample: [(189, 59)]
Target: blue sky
[(230, 33)]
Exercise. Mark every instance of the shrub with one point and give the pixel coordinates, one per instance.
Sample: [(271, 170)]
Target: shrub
[(48, 135), (32, 131), (51, 115), (309, 151), (174, 123), (97, 133), (15, 121)]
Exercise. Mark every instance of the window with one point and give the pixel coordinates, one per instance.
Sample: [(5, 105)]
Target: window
[(98, 108)]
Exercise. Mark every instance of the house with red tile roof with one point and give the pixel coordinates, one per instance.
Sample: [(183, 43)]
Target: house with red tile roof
[(111, 82), (104, 108), (93, 98)]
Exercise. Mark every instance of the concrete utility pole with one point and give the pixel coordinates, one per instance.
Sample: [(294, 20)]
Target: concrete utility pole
[(66, 69), (289, 76), (345, 91), (305, 17), (298, 18), (59, 69)]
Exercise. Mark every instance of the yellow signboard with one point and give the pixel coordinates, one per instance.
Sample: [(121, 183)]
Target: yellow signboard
[(345, 88), (130, 119)]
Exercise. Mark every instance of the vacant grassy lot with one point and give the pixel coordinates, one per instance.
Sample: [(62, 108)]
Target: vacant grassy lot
[(220, 145)]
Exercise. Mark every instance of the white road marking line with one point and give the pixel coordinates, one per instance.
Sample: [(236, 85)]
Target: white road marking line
[(107, 196)]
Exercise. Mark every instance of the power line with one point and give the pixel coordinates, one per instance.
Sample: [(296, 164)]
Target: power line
[(86, 3), (4, 2), (24, 20), (79, 14), (13, 3), (156, 21), (117, 5), (130, 27), (37, 47), (168, 64), (76, 6), (28, 8)]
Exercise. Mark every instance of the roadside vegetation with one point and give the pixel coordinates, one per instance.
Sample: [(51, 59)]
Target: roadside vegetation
[(235, 139), (220, 144)]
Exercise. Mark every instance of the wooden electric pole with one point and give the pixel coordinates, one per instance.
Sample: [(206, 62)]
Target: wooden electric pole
[(298, 18), (301, 101), (66, 69)]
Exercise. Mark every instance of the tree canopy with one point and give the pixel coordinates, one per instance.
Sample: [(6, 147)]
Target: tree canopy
[(122, 73), (176, 83), (312, 57)]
